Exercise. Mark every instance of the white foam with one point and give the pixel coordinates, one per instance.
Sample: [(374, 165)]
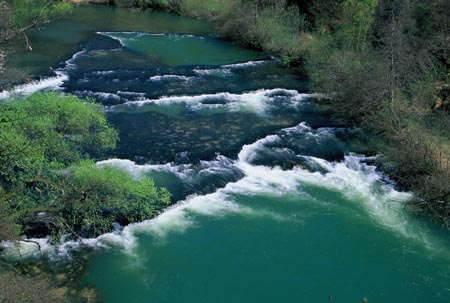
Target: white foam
[(226, 70), (249, 151), (24, 90), (356, 180), (181, 216), (69, 63), (353, 177), (182, 171), (4, 95), (246, 64), (170, 77), (50, 83), (138, 95), (359, 182), (213, 72), (299, 129), (221, 165), (103, 72), (177, 218), (98, 95), (110, 35), (134, 35), (257, 101), (30, 248), (262, 180)]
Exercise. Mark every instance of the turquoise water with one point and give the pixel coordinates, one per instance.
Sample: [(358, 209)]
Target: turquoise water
[(275, 201), (166, 48), (59, 39)]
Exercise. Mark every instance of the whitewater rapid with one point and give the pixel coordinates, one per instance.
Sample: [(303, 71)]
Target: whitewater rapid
[(358, 181), (50, 83), (353, 176), (257, 101)]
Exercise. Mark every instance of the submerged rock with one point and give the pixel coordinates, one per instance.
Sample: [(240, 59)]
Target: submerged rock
[(59, 292), (90, 294)]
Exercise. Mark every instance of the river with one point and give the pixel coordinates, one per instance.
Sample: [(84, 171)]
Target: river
[(274, 201)]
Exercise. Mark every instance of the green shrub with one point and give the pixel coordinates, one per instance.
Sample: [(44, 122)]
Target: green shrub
[(99, 196), (34, 12), (274, 27), (46, 142), (45, 129)]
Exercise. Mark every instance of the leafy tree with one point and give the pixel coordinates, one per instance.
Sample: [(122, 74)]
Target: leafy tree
[(358, 17), (26, 14), (41, 133), (273, 26), (326, 15), (98, 196), (16, 18), (48, 128), (48, 185)]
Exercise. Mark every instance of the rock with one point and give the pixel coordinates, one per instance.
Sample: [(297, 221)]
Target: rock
[(59, 292), (61, 277), (89, 294), (39, 225), (442, 97), (36, 270)]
